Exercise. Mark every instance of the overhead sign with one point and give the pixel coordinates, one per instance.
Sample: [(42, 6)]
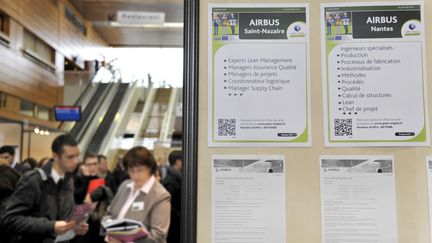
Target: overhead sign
[(133, 17)]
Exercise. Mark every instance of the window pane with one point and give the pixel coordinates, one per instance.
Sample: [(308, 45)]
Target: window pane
[(27, 108), (2, 23), (29, 41), (44, 113), (2, 100), (43, 50)]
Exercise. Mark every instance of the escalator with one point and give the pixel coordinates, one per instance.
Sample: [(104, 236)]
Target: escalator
[(89, 111), (104, 127), (153, 127)]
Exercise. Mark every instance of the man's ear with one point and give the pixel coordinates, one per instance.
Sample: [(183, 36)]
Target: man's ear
[(55, 156)]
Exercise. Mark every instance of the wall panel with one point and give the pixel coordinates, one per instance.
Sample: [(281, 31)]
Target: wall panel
[(26, 78)]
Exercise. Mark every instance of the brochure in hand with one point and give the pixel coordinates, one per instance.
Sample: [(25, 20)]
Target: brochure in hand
[(80, 214), (125, 230)]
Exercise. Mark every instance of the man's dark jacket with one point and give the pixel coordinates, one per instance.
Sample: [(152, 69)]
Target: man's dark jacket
[(36, 204), (20, 168), (172, 184)]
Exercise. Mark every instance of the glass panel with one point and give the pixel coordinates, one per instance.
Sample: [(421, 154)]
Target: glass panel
[(2, 23), (44, 113), (27, 108), (2, 100), (43, 50), (29, 41)]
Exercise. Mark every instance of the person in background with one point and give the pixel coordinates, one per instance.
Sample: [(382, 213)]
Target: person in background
[(44, 161), (172, 183), (216, 22), (8, 153), (120, 174), (142, 198), (232, 22), (8, 180), (106, 174), (30, 163), (338, 24), (103, 166), (102, 195), (346, 21), (158, 174), (38, 209), (88, 172), (330, 22), (162, 164), (224, 20)]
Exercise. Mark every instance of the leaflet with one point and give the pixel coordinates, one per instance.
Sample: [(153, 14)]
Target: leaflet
[(248, 199), (429, 176), (80, 214), (358, 199)]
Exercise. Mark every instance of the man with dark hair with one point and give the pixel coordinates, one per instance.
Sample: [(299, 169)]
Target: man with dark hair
[(84, 193), (8, 153), (43, 200), (172, 183), (105, 173)]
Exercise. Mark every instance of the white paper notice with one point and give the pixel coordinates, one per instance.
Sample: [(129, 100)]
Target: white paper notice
[(258, 75), (374, 74), (248, 199), (358, 199), (429, 175)]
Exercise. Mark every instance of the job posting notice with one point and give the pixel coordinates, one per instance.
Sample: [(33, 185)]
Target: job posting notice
[(248, 199), (374, 75), (258, 75), (358, 199)]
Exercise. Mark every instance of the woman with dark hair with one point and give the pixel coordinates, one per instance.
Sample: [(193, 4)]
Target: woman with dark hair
[(30, 163), (142, 198), (43, 161)]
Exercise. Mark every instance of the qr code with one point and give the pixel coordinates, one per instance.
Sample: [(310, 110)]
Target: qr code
[(343, 127), (227, 127)]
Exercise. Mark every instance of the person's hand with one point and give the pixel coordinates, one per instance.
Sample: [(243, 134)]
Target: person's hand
[(61, 227), (87, 199), (3, 162), (110, 239), (82, 229)]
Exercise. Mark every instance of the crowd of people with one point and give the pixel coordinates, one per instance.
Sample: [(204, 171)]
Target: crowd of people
[(37, 198)]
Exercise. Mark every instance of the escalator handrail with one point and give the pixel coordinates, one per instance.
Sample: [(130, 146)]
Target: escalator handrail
[(95, 99), (92, 115), (100, 133)]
